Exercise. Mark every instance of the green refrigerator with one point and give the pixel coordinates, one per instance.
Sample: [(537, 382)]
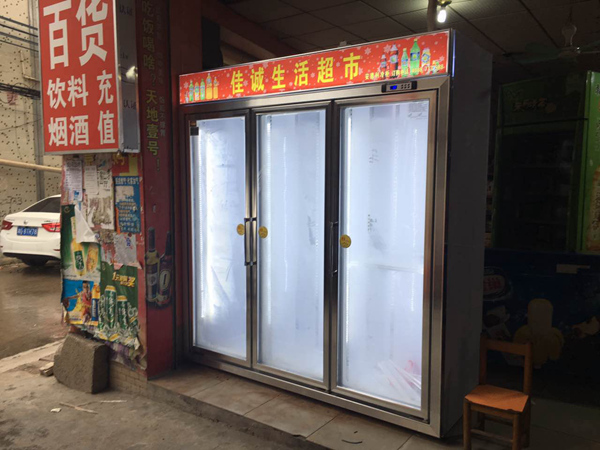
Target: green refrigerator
[(546, 194)]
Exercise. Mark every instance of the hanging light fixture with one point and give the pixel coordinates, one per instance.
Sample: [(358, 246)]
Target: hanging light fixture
[(442, 14)]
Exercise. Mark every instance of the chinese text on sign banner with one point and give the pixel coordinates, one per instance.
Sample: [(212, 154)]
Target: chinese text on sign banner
[(79, 75)]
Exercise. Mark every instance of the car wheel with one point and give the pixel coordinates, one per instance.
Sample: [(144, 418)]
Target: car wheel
[(35, 262)]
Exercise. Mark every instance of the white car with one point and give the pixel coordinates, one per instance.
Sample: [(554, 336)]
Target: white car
[(33, 235)]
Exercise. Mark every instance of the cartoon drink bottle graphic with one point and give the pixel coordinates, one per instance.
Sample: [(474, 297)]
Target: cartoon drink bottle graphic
[(152, 261), (209, 88), (94, 313), (110, 305), (415, 59), (122, 321), (202, 90), (215, 89), (191, 92), (394, 61), (77, 251), (404, 68), (383, 66), (425, 61), (166, 268)]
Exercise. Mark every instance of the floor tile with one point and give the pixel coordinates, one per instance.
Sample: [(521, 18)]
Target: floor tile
[(190, 381), (576, 420), (348, 431), (294, 415), (548, 439), (237, 395), (419, 442)]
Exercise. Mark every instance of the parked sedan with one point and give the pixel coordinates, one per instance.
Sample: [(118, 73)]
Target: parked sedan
[(33, 235)]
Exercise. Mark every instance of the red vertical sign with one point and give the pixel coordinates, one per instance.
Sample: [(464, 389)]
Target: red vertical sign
[(155, 133), (79, 75)]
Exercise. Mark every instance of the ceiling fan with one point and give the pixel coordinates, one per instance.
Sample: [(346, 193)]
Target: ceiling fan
[(536, 52)]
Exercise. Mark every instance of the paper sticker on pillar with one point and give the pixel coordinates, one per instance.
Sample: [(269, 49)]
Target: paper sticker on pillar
[(118, 306), (159, 271), (80, 302), (79, 260), (127, 204)]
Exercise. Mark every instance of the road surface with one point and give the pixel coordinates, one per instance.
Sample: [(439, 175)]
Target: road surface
[(30, 310)]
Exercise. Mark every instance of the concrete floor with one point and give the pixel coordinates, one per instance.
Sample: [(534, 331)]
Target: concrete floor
[(30, 311), (555, 425), (26, 420)]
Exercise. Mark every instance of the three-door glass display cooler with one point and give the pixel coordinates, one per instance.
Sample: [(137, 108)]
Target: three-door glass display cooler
[(319, 229)]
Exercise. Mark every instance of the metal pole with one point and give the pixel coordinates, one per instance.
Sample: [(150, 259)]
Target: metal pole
[(22, 165), (431, 10), (38, 140)]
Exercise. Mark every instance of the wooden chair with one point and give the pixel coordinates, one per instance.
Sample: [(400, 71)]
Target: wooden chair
[(498, 404)]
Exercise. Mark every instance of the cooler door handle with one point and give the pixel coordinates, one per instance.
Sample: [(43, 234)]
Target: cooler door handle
[(333, 248), (254, 239), (247, 242)]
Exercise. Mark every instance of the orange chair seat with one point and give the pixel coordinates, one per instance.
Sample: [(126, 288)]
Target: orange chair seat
[(498, 398)]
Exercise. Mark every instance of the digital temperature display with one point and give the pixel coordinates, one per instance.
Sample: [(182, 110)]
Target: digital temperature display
[(398, 87)]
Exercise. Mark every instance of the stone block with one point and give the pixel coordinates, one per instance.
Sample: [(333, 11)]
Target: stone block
[(82, 364)]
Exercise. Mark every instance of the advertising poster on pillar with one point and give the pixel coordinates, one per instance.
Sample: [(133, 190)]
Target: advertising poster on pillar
[(80, 83), (100, 264), (409, 57), (156, 148), (80, 264)]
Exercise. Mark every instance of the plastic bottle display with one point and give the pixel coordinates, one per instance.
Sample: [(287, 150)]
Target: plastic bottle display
[(209, 88), (425, 61), (166, 268), (196, 92), (202, 90), (77, 252), (404, 68), (152, 261), (394, 61), (215, 89), (415, 59), (383, 67)]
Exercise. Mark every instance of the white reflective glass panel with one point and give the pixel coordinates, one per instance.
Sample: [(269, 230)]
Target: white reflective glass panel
[(218, 206), (291, 204), (382, 208)]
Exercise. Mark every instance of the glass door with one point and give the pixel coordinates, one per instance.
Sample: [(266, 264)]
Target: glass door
[(386, 163), (290, 244), (220, 232)]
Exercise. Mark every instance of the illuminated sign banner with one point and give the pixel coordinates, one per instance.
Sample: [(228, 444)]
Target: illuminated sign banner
[(81, 86), (408, 57)]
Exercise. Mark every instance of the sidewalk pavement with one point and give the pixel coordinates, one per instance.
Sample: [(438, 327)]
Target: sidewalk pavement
[(27, 422)]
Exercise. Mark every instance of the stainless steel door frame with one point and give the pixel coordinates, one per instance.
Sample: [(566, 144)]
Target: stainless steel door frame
[(255, 114), (339, 105), (442, 84), (192, 119)]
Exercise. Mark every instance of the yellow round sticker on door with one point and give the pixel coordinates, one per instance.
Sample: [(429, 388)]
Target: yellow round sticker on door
[(241, 229), (263, 232), (345, 241)]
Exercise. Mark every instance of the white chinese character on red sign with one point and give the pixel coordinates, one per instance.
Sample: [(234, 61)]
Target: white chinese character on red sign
[(59, 40), (79, 130), (97, 11), (77, 90), (58, 131), (105, 86), (106, 127), (55, 90)]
